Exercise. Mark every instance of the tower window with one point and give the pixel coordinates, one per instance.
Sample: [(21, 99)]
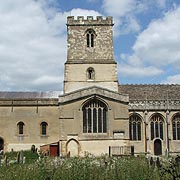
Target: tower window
[(20, 126), (90, 73), (94, 117), (90, 38)]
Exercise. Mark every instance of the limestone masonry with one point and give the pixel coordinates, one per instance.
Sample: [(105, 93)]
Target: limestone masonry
[(95, 113)]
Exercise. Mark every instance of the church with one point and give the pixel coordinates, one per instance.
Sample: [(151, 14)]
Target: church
[(95, 114)]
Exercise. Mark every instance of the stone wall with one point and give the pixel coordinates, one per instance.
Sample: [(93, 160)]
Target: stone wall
[(80, 57), (78, 52), (32, 112)]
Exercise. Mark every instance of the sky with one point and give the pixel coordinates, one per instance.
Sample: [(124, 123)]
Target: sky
[(33, 41)]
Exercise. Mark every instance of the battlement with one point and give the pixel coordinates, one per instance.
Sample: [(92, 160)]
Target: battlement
[(89, 20)]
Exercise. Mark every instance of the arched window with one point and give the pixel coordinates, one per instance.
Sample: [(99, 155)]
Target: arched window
[(90, 74), (156, 126), (135, 127), (20, 126), (44, 128), (94, 117), (176, 127), (90, 34)]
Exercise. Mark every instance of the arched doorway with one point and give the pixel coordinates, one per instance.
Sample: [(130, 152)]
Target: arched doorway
[(157, 147), (1, 144), (72, 148)]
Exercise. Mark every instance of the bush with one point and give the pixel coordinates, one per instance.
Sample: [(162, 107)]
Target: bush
[(86, 168)]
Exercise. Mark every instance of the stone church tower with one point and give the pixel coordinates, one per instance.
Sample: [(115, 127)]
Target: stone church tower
[(93, 114), (90, 59)]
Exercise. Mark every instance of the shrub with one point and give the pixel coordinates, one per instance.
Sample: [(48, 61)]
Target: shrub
[(86, 168)]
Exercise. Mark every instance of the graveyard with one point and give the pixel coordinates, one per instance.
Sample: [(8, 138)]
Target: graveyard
[(33, 165)]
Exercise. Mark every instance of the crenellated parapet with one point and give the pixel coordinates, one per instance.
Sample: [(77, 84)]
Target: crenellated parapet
[(89, 20)]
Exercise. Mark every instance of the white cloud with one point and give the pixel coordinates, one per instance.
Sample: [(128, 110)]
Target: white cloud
[(130, 25), (83, 12), (123, 12), (118, 8), (156, 48), (161, 3), (33, 45), (92, 1), (175, 79), (128, 70), (159, 44), (29, 45)]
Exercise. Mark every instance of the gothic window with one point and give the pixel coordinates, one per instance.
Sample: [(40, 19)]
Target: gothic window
[(94, 117), (20, 126), (176, 127), (44, 128), (135, 127), (90, 74), (90, 34), (156, 126)]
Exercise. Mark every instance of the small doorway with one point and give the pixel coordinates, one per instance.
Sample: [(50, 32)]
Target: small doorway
[(1, 145), (72, 148), (157, 147)]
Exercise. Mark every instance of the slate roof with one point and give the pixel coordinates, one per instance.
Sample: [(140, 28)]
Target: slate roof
[(151, 91), (29, 95), (135, 92)]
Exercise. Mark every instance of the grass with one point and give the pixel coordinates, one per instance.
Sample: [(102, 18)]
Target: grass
[(86, 168)]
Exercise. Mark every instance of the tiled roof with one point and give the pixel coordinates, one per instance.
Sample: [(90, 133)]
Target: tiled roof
[(151, 91), (29, 95), (135, 91)]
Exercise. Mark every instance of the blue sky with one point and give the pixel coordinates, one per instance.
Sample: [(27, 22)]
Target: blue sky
[(33, 41)]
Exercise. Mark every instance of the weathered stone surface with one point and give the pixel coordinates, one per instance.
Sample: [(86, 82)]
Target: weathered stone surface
[(93, 91), (64, 113), (100, 57)]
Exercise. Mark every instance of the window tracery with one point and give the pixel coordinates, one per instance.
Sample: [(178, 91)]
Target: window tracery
[(94, 117), (156, 126), (90, 35), (135, 127), (176, 127)]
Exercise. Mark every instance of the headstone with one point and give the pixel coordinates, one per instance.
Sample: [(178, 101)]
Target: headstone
[(21, 156), (6, 160), (18, 157), (158, 163)]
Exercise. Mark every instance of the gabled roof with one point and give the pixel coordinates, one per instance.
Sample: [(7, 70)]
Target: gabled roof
[(151, 91), (94, 90)]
